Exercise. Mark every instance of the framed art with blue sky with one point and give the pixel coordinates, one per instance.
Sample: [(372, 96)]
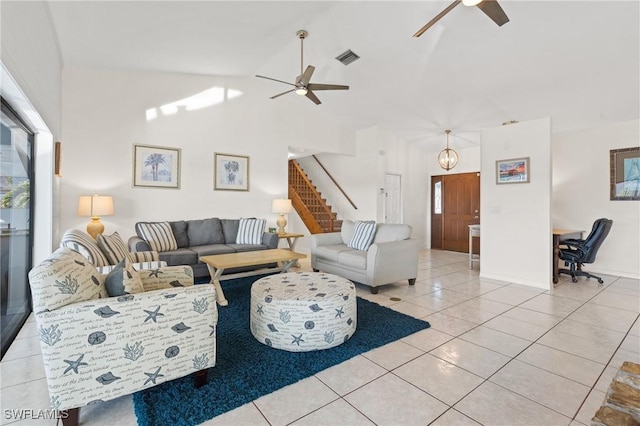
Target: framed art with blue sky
[(625, 173), (156, 166)]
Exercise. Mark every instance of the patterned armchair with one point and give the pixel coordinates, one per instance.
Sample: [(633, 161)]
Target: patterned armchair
[(96, 348)]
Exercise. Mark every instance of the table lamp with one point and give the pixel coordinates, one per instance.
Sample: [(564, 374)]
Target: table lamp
[(95, 206), (282, 206)]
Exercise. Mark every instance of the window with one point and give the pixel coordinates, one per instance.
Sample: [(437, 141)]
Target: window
[(437, 197), (16, 165)]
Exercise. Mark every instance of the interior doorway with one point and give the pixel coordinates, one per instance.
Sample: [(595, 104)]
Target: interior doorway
[(392, 198), (455, 204)]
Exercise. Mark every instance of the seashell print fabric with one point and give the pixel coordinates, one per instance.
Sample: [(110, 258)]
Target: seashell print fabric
[(99, 349), (303, 311), (65, 277)]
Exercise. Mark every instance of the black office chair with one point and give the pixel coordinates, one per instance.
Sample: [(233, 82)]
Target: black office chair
[(579, 252)]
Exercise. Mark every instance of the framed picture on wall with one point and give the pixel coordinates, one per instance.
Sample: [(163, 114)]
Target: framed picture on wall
[(625, 173), (156, 166), (514, 170), (231, 172)]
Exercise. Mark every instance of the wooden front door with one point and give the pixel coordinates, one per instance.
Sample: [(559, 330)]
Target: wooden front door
[(459, 208)]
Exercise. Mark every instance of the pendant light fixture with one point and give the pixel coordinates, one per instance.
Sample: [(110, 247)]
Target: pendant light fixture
[(448, 158)]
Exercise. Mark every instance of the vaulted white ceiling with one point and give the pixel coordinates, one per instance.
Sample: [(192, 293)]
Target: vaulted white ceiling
[(575, 61)]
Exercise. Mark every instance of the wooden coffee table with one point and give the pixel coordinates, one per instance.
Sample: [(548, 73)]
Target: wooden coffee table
[(217, 263)]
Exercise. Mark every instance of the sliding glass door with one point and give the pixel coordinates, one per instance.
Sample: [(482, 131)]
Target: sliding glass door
[(16, 168)]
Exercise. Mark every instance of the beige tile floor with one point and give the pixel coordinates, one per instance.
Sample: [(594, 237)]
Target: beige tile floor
[(496, 354)]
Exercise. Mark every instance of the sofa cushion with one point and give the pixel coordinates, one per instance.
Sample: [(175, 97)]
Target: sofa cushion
[(331, 253), (347, 231), (202, 232), (123, 279), (85, 245), (179, 229), (181, 256), (211, 249), (65, 277), (247, 247), (353, 259), (363, 233), (250, 231), (158, 234), (230, 230), (113, 247), (388, 232)]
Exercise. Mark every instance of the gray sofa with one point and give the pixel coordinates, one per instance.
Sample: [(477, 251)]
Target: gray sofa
[(393, 255), (202, 237)]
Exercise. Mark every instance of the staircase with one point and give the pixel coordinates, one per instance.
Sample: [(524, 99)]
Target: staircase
[(308, 202)]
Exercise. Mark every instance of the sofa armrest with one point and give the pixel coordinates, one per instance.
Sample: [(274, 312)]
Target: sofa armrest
[(327, 239), (270, 240), (144, 256), (392, 261), (101, 349), (136, 243), (166, 277)]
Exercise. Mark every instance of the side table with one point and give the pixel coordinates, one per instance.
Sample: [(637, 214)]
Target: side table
[(292, 240)]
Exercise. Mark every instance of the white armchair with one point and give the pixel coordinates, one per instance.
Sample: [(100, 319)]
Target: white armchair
[(96, 348), (393, 255)]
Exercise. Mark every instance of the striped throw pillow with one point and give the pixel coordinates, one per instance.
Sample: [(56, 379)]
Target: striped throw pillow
[(114, 248), (85, 245), (250, 231), (158, 235), (363, 233)]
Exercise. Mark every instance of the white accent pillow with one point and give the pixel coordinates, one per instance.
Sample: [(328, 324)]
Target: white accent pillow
[(158, 235), (363, 234), (250, 231)]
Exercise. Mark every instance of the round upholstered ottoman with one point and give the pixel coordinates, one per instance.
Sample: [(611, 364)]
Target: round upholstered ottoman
[(303, 311)]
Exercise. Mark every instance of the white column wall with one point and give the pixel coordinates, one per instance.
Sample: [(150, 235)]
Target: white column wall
[(515, 241)]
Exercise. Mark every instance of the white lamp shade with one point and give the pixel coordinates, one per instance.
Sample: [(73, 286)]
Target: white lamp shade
[(95, 205), (281, 205)]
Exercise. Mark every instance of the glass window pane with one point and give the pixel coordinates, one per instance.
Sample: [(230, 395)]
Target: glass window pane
[(437, 198), (16, 144)]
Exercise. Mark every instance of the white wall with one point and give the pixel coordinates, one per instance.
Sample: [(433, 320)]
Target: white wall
[(31, 70), (104, 115), (515, 233), (581, 194)]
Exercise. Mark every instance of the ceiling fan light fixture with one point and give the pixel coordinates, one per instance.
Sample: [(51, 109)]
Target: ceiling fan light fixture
[(448, 158), (470, 2), (302, 91)]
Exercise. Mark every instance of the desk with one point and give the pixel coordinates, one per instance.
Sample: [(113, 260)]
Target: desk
[(474, 231), (558, 235)]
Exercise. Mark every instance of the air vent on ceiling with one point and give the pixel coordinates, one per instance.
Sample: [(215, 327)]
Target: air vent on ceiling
[(347, 57)]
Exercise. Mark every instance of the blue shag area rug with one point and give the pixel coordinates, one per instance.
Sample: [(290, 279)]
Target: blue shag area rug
[(246, 369)]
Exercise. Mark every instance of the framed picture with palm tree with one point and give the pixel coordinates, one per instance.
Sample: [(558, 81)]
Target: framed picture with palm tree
[(231, 172), (156, 166)]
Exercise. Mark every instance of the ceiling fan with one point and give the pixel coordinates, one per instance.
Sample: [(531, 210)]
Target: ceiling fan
[(491, 8), (302, 85)]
